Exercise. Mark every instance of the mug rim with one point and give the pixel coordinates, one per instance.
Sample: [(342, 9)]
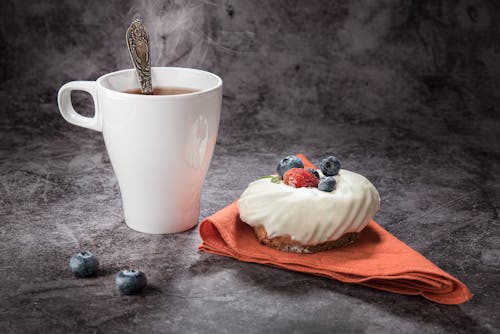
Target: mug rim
[(142, 96)]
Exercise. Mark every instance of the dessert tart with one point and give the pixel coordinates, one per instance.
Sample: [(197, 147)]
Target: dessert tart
[(306, 211)]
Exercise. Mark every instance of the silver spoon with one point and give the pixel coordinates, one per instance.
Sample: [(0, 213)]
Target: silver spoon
[(138, 46)]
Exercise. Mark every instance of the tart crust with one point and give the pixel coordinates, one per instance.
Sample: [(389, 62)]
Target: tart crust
[(287, 244)]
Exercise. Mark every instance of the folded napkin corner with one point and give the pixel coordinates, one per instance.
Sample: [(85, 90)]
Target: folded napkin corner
[(378, 259)]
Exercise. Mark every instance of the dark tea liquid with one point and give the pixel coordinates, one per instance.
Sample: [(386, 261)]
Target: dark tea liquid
[(166, 91)]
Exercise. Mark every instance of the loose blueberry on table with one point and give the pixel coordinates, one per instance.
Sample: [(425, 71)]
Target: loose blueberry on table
[(83, 264), (130, 281)]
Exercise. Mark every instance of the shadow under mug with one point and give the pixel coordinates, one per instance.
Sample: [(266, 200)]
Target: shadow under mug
[(160, 146)]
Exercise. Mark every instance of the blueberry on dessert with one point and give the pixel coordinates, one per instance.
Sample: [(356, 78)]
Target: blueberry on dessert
[(314, 171), (287, 163), (330, 166), (327, 183)]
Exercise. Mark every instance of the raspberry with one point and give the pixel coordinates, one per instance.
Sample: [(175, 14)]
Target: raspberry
[(300, 177)]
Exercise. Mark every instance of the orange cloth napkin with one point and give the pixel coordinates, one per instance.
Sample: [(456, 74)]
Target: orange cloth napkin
[(378, 259)]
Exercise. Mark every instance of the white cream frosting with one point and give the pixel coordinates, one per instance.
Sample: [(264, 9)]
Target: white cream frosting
[(309, 215)]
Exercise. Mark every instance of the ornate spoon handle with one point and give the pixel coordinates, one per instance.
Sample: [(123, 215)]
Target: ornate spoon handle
[(138, 46)]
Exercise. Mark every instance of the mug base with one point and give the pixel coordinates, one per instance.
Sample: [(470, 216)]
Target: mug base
[(163, 230)]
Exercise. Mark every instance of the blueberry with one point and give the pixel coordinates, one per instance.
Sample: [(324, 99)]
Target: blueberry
[(287, 163), (314, 171), (130, 281), (83, 264), (327, 184), (330, 166)]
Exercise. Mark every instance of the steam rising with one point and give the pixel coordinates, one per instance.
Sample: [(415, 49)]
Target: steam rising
[(88, 40), (176, 31)]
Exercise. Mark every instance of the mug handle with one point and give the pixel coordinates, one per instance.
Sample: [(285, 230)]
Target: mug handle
[(69, 113)]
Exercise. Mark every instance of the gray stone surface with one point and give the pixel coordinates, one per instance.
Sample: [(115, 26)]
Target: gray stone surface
[(406, 93)]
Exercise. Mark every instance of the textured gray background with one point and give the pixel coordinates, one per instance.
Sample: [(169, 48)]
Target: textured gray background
[(404, 92)]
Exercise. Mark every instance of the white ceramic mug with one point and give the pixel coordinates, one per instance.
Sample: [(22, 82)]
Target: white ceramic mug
[(160, 146)]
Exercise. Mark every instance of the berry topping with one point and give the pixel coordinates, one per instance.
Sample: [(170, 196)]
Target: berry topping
[(327, 184), (299, 177), (314, 171), (330, 166), (83, 264), (130, 281), (287, 163)]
